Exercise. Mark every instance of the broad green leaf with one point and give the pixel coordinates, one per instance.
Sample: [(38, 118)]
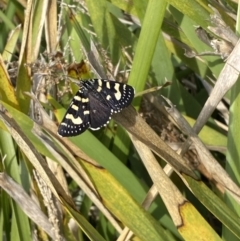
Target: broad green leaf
[(187, 25), (190, 231), (20, 226), (76, 21), (209, 136), (7, 91), (90, 231), (128, 6), (215, 205), (120, 203), (26, 125), (11, 44), (23, 85), (112, 34), (198, 11)]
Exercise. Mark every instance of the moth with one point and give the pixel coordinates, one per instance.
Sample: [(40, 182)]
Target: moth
[(94, 104)]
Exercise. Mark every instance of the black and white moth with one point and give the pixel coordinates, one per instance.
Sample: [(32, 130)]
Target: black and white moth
[(94, 104)]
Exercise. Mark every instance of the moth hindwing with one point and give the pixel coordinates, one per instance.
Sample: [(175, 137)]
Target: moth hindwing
[(94, 104)]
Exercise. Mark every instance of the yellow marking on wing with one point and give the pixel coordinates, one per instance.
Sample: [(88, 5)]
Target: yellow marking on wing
[(99, 82), (108, 85), (118, 94), (76, 121), (76, 97), (75, 107), (86, 112), (99, 89), (85, 100)]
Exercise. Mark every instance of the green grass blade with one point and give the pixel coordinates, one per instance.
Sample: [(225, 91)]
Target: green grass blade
[(147, 43)]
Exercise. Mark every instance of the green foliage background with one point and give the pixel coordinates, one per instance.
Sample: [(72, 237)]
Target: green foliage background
[(99, 180)]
